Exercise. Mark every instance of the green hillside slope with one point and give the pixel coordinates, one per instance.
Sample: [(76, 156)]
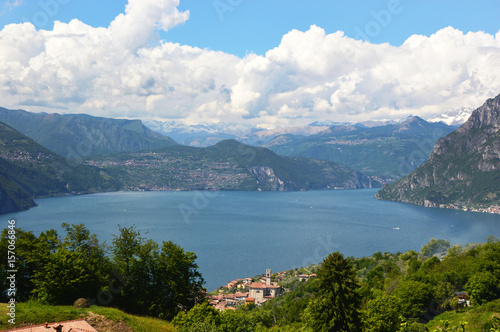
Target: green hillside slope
[(463, 170), (76, 136), (228, 165)]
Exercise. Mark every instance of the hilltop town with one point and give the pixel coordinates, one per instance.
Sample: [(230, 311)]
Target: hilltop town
[(257, 290)]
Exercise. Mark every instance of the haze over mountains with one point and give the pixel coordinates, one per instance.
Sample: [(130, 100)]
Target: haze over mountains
[(463, 170), (207, 134), (456, 117)]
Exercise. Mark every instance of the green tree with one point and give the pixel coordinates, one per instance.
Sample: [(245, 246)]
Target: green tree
[(414, 298), (26, 262), (382, 314), (375, 278), (74, 268), (178, 284), (434, 247), (492, 239), (134, 259), (483, 287), (336, 305), (202, 317), (162, 281)]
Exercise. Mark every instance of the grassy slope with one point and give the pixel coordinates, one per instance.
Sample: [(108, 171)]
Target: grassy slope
[(35, 313), (474, 316)]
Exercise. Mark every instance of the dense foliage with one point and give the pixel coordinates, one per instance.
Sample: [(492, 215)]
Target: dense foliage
[(383, 293), (138, 275), (409, 291)]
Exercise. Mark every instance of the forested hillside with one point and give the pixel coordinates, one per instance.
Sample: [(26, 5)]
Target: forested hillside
[(385, 292)]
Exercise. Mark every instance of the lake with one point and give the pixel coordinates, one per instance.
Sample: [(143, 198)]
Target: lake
[(241, 234)]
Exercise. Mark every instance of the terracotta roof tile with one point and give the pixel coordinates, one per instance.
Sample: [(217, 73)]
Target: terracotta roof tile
[(76, 326)]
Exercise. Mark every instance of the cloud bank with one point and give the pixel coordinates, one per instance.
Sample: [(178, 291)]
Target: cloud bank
[(118, 72)]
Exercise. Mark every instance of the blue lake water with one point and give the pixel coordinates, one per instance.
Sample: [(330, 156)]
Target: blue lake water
[(240, 234)]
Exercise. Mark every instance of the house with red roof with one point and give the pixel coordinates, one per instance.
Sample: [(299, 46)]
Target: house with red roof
[(263, 291)]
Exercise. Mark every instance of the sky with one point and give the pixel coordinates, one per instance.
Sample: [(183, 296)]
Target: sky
[(267, 63)]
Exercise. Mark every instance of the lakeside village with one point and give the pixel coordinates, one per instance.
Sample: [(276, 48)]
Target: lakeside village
[(257, 290)]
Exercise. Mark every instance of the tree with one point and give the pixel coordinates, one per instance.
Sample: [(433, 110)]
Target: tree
[(134, 259), (382, 314), (492, 239), (163, 281), (202, 317), (336, 305), (414, 298), (375, 278), (178, 285), (75, 268), (26, 261), (434, 247), (483, 287)]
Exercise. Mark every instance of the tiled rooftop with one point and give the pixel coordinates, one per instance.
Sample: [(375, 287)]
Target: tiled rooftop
[(73, 326)]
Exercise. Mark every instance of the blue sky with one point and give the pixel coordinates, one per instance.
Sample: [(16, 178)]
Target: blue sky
[(242, 26), (267, 63)]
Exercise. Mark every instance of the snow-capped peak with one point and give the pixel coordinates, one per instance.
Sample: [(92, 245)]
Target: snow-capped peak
[(455, 117)]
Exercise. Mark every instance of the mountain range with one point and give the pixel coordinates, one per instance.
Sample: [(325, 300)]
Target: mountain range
[(77, 136), (463, 170), (113, 154), (207, 134), (29, 170), (388, 152)]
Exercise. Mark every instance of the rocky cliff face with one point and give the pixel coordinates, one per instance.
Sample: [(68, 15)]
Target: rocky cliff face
[(267, 179), (463, 170)]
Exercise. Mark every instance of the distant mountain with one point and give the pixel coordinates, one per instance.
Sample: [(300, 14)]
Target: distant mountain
[(455, 117), (328, 124), (200, 135), (228, 165), (463, 170), (204, 135), (388, 151), (76, 136), (28, 170)]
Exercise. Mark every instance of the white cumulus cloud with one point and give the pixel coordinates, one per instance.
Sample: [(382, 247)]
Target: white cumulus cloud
[(309, 76), (330, 76)]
